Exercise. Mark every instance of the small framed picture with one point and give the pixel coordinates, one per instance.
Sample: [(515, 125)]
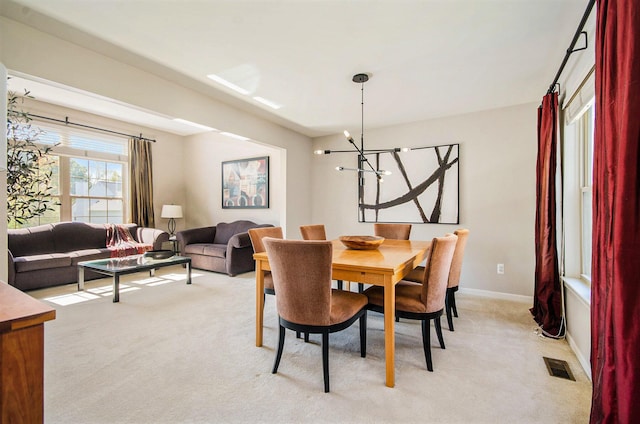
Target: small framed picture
[(245, 183)]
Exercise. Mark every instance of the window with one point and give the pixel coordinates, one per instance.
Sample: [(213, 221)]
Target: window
[(89, 175), (585, 137), (577, 180)]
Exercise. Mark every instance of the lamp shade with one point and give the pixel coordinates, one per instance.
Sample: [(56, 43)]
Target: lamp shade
[(171, 211)]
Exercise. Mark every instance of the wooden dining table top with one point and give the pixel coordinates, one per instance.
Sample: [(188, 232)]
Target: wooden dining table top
[(390, 256)]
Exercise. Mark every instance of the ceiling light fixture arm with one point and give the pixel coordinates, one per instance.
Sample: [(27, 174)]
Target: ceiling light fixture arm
[(361, 79), (362, 152)]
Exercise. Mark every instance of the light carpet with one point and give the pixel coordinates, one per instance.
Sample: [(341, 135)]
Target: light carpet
[(175, 353)]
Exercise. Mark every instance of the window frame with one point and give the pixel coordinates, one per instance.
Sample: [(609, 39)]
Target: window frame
[(577, 165), (586, 139), (65, 152)]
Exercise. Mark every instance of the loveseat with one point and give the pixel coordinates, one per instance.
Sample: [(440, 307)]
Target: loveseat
[(48, 255), (224, 248)]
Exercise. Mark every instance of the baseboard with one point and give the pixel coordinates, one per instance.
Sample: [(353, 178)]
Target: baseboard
[(498, 295), (586, 365)]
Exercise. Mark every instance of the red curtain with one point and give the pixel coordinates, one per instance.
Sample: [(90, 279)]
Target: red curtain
[(547, 300), (615, 277)]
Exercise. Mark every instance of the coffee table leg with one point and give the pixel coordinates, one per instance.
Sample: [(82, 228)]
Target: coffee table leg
[(116, 288), (80, 278), (188, 272)]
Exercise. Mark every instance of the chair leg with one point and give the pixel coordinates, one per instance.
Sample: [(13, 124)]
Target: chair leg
[(363, 335), (339, 284), (453, 304), (447, 306), (436, 323), (325, 359), (426, 343), (360, 288), (279, 353), (306, 336)]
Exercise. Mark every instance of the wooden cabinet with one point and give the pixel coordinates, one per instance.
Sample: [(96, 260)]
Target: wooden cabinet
[(22, 356)]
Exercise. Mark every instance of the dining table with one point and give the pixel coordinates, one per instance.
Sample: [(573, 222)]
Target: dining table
[(384, 266)]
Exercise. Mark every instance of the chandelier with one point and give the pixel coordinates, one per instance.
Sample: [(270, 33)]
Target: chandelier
[(363, 163)]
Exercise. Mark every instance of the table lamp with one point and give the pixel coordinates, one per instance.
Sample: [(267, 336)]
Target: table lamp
[(172, 212)]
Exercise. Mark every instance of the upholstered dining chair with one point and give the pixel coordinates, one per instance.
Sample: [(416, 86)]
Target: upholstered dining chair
[(424, 302), (256, 235), (392, 231), (389, 231), (305, 300), (317, 232), (416, 275), (313, 232)]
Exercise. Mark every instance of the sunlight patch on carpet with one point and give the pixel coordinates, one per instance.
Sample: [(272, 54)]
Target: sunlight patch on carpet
[(176, 277), (72, 298), (151, 281), (107, 290)]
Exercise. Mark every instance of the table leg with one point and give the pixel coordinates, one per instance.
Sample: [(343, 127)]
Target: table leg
[(116, 288), (188, 272), (259, 302), (389, 331), (80, 278)]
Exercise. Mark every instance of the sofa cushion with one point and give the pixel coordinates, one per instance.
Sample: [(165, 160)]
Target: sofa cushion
[(89, 255), (224, 231), (71, 236), (31, 241), (206, 249), (215, 250), (44, 261)]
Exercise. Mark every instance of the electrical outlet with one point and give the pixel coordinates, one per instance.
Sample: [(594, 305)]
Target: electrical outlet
[(500, 268)]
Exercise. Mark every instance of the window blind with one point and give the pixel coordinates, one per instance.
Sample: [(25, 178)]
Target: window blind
[(85, 143), (581, 99)]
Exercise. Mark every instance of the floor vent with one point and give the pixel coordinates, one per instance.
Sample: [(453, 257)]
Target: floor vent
[(558, 368)]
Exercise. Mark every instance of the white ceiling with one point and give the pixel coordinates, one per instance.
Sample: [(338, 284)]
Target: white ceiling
[(426, 59)]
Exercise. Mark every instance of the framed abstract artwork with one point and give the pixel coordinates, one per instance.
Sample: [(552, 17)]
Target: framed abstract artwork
[(245, 183), (423, 186)]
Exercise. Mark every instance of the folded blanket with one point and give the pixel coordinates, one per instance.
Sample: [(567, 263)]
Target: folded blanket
[(121, 243)]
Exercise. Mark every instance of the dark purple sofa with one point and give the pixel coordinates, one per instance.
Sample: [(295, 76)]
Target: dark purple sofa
[(48, 255), (224, 248)]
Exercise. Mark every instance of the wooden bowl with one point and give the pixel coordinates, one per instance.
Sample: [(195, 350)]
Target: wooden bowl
[(362, 242), (158, 254)]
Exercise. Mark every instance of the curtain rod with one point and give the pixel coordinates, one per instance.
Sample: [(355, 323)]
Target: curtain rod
[(570, 50), (67, 122)]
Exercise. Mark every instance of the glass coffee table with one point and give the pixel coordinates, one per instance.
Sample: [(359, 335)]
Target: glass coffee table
[(116, 267)]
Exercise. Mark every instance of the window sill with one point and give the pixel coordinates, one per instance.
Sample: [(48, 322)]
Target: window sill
[(581, 289)]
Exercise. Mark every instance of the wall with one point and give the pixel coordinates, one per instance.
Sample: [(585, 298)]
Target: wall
[(497, 191), (72, 65), (204, 154)]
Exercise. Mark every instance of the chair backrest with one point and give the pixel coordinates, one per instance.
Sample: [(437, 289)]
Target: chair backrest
[(301, 271), (458, 255), (257, 234), (392, 231), (313, 232), (436, 273)]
